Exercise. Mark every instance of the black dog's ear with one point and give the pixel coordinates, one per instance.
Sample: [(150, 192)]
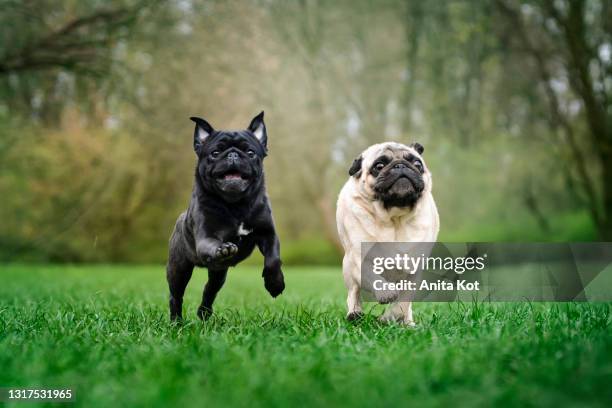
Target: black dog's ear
[(201, 132), (355, 169), (258, 127), (418, 147)]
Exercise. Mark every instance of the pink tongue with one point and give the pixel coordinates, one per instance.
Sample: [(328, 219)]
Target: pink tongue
[(232, 176)]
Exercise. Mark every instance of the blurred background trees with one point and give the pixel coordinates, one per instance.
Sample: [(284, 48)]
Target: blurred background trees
[(510, 98)]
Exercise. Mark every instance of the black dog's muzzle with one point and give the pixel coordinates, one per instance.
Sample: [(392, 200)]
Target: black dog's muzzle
[(233, 157)]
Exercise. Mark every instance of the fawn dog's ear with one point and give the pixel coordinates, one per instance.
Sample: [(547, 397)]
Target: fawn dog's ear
[(355, 169), (418, 147)]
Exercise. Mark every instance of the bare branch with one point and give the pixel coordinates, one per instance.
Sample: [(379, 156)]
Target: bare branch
[(81, 44)]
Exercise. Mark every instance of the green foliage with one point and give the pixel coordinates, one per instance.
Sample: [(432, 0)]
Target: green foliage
[(96, 159), (63, 193), (571, 227), (310, 252), (105, 331)]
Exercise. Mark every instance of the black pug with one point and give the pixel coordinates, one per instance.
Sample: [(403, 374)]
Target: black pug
[(228, 214)]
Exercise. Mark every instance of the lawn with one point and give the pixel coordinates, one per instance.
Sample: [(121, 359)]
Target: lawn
[(104, 331)]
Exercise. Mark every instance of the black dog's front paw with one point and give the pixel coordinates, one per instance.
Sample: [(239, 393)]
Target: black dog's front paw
[(274, 283), (224, 252)]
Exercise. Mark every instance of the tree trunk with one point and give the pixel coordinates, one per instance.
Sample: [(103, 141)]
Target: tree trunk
[(605, 226)]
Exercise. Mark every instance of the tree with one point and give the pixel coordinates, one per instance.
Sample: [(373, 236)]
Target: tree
[(573, 40)]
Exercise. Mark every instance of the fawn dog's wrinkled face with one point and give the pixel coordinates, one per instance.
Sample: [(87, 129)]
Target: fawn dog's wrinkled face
[(230, 163), (392, 173)]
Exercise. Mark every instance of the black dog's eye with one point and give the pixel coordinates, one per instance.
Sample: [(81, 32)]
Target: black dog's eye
[(379, 166), (251, 153), (215, 154), (418, 165)]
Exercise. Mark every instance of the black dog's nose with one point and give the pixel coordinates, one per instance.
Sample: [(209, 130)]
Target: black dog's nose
[(400, 166), (233, 156)]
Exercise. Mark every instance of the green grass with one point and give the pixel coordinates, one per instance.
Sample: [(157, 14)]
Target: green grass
[(104, 330)]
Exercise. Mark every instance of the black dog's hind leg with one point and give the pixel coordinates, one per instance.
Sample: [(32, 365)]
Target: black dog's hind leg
[(178, 273), (216, 279)]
